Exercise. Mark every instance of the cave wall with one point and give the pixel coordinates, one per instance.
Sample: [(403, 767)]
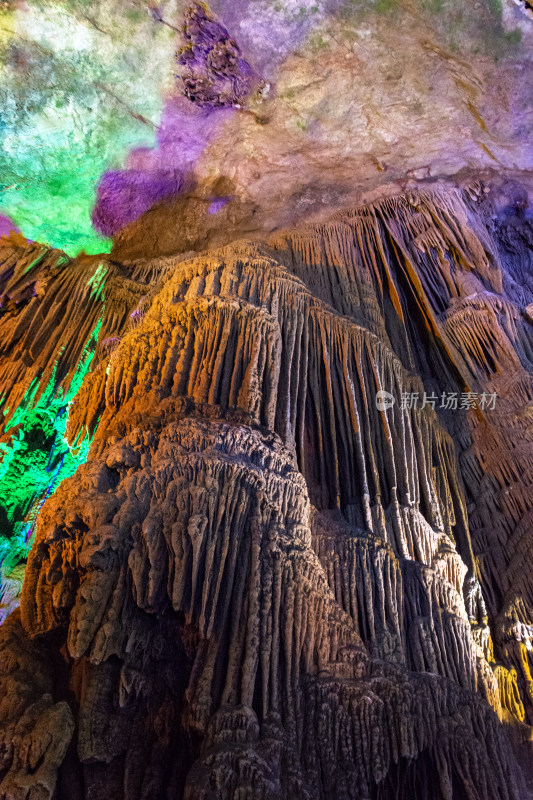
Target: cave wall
[(259, 584)]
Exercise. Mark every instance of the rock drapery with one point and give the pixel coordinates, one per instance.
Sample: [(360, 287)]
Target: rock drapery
[(258, 584)]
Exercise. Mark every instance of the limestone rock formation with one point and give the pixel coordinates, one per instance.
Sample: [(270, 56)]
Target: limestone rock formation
[(259, 584)]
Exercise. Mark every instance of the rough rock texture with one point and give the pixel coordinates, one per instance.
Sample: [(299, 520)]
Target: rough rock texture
[(212, 70), (55, 317), (259, 585), (314, 103)]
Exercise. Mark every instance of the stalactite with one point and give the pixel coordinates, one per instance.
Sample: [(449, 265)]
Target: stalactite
[(260, 584)]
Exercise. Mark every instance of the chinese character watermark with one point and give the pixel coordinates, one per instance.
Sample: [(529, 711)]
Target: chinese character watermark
[(448, 401)]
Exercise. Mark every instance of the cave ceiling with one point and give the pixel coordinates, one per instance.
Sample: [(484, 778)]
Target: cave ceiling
[(266, 400), (250, 115)]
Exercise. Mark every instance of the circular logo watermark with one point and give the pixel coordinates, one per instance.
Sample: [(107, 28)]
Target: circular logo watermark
[(384, 400)]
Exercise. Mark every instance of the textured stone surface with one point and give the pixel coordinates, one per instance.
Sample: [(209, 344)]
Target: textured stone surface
[(259, 585), (306, 106)]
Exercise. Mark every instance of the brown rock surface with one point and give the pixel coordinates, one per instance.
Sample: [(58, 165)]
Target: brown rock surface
[(259, 585)]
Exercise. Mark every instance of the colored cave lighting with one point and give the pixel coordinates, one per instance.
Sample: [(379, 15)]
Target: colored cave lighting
[(73, 107), (218, 204), (37, 456)]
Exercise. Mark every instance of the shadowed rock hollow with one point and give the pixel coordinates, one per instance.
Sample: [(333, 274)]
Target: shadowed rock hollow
[(259, 585)]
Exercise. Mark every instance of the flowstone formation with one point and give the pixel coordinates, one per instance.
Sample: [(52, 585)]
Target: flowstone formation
[(259, 584)]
